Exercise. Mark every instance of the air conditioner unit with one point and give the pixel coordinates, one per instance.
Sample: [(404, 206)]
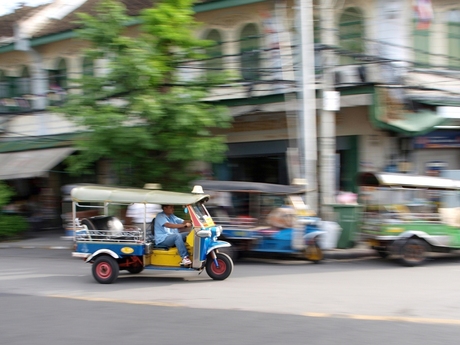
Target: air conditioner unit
[(347, 75)]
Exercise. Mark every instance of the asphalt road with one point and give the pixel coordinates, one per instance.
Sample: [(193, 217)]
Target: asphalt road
[(49, 298)]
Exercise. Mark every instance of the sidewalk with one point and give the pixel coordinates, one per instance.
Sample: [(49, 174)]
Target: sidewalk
[(57, 240), (52, 239)]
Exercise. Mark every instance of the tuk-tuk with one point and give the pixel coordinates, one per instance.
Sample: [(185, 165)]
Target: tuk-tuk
[(409, 216), (109, 246), (264, 218)]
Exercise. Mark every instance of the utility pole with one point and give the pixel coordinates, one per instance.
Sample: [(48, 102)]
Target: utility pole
[(330, 104), (307, 118)]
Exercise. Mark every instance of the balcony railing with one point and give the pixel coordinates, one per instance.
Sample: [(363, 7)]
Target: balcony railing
[(29, 103)]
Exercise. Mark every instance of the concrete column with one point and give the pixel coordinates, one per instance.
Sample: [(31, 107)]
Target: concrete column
[(327, 118)]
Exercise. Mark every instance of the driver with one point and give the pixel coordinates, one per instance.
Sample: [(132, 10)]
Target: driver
[(169, 231)]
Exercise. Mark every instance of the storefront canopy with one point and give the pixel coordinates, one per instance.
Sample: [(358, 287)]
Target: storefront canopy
[(33, 163), (389, 114)]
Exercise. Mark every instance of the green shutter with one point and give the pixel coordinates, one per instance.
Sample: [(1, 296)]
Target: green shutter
[(421, 46), (454, 44), (250, 53), (88, 67), (351, 32), (214, 53)]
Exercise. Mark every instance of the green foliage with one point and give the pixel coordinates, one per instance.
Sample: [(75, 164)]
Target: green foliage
[(5, 194), (10, 225), (159, 124)]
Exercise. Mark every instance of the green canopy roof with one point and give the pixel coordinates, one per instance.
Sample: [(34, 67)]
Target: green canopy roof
[(405, 122)]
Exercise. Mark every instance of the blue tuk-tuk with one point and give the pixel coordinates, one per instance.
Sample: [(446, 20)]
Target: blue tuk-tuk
[(110, 246), (264, 218)]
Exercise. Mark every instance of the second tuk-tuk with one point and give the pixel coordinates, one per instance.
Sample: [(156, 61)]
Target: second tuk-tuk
[(109, 246), (264, 218), (409, 216)]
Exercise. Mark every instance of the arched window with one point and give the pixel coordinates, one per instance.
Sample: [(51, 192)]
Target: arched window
[(351, 33), (58, 77), (453, 38), (23, 82), (214, 63), (4, 87), (88, 67), (250, 52)]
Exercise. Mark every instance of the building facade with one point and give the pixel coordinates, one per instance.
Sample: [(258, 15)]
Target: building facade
[(394, 64)]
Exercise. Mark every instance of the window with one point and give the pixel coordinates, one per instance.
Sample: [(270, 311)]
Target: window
[(57, 83), (351, 32), (250, 52), (4, 87), (23, 83), (58, 77), (214, 54), (453, 38), (88, 67), (421, 45)]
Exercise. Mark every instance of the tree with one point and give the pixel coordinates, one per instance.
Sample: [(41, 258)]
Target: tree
[(140, 115)]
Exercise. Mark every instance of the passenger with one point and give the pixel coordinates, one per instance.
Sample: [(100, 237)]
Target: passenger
[(169, 231), (137, 213)]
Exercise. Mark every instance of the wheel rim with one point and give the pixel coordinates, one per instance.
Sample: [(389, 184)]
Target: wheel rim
[(104, 270), (219, 270), (413, 252)]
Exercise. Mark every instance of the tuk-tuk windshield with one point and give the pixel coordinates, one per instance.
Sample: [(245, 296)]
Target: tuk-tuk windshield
[(201, 212)]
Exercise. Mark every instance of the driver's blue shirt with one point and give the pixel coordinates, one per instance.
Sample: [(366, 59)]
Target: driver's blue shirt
[(161, 232)]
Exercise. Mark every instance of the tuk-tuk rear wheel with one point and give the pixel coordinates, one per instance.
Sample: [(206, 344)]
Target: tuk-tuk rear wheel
[(224, 269), (105, 269), (314, 253), (413, 252)]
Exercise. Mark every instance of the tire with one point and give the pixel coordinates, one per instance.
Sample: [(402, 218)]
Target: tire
[(314, 253), (105, 269), (413, 252), (135, 269), (383, 253), (223, 271)]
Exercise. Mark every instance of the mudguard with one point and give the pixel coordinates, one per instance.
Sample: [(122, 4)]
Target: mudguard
[(436, 241), (218, 244), (102, 251), (313, 235)]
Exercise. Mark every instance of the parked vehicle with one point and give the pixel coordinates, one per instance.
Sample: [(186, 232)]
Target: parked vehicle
[(264, 218), (110, 247), (408, 216)]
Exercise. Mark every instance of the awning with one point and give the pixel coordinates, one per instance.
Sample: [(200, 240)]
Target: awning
[(33, 163), (389, 114)]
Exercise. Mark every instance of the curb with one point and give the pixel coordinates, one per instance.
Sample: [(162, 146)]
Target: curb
[(32, 246)]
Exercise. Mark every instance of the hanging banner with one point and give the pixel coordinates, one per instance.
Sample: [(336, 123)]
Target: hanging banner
[(423, 12)]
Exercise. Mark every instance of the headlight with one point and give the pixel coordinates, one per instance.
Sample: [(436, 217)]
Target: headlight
[(203, 233), (218, 230)]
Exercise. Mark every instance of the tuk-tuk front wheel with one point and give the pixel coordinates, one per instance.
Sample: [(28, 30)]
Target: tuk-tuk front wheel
[(413, 252), (105, 269), (222, 270)]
